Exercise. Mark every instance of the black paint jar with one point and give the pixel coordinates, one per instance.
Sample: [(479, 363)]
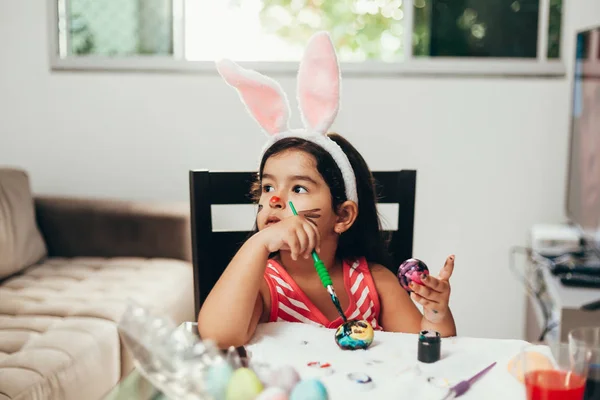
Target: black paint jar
[(430, 346)]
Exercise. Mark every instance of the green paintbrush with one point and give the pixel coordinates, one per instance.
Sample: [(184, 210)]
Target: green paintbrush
[(324, 276)]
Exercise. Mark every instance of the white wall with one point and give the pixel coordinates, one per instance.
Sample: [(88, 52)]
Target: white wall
[(490, 153), (585, 14)]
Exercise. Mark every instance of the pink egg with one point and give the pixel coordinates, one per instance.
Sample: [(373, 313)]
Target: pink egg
[(285, 377), (273, 393)]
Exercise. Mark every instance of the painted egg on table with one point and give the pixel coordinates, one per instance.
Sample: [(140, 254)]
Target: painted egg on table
[(411, 271), (532, 359), (312, 389), (243, 385), (217, 379), (273, 393), (354, 334), (262, 371), (285, 378)]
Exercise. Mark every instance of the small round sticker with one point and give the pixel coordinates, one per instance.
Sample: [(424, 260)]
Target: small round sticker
[(361, 380)]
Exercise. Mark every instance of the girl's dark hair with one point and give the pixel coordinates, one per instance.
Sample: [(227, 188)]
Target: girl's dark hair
[(365, 237)]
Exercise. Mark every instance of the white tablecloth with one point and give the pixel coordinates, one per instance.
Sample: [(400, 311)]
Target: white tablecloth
[(390, 362)]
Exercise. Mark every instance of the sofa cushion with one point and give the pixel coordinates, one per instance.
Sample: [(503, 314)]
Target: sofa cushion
[(47, 312), (54, 358), (21, 243)]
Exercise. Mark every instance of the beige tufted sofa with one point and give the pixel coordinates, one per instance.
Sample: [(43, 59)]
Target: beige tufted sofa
[(67, 268)]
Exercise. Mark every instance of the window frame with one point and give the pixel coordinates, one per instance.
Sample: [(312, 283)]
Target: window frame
[(541, 66)]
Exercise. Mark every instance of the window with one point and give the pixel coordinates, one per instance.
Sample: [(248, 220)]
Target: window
[(115, 28), (494, 36), (491, 28)]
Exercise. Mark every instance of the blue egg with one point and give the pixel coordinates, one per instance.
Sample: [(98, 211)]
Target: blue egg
[(312, 389), (217, 379)]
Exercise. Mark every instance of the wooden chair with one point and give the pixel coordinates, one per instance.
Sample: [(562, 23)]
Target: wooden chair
[(212, 250)]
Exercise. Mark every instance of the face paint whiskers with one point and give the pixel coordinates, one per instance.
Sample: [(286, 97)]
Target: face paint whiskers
[(312, 214)]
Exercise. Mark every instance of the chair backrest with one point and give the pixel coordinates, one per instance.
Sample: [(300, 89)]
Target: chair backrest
[(212, 251)]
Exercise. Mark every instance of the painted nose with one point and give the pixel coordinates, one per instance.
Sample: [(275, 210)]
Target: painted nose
[(275, 201)]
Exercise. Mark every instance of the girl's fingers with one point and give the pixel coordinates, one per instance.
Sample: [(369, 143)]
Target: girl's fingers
[(312, 225), (422, 300), (294, 244), (434, 283), (312, 240), (447, 270), (302, 241), (425, 292), (317, 239)]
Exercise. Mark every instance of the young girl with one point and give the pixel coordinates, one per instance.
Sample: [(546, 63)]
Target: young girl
[(272, 276)]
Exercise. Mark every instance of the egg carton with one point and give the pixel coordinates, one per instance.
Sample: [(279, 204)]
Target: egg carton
[(173, 359)]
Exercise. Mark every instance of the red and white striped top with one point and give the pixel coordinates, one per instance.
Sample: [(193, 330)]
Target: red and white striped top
[(290, 303)]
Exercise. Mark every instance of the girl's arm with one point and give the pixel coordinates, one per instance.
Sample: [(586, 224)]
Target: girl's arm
[(235, 304), (400, 314), (231, 312)]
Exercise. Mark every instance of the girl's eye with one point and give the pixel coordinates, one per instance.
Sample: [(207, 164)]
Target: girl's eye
[(267, 188), (300, 189)]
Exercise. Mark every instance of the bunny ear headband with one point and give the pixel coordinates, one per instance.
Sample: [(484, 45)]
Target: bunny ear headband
[(318, 99)]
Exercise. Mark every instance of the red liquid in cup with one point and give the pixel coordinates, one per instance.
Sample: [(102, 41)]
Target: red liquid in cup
[(554, 385)]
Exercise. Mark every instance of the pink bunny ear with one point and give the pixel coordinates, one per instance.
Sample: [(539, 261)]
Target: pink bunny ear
[(319, 83), (263, 97)]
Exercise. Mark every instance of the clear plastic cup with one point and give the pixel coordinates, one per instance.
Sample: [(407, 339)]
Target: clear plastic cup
[(589, 337), (555, 372)]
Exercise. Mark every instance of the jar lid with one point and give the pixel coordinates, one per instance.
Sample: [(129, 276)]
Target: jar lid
[(429, 336)]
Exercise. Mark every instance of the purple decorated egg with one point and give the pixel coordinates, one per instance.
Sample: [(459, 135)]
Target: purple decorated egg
[(411, 271)]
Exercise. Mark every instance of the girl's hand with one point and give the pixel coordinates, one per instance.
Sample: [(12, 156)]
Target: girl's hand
[(296, 234), (434, 294)]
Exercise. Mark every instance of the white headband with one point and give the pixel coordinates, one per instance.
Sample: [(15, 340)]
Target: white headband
[(318, 100)]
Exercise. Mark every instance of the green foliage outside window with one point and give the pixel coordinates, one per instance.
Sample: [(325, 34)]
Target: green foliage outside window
[(373, 29)]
